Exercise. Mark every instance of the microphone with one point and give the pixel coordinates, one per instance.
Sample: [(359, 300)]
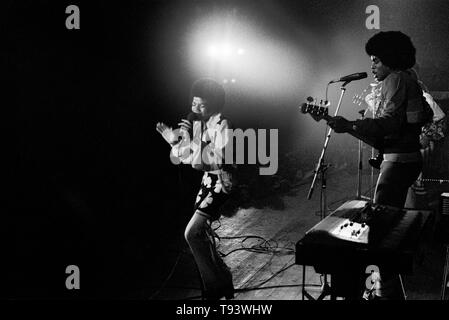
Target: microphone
[(191, 117), (351, 77)]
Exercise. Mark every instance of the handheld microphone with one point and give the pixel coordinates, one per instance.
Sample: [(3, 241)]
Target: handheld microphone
[(351, 77), (191, 117)]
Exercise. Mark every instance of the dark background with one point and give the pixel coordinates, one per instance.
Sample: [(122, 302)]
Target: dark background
[(88, 181)]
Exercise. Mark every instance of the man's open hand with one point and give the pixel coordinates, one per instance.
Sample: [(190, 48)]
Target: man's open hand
[(166, 132)]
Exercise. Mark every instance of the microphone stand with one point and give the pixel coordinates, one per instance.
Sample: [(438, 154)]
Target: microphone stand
[(321, 168), (360, 166), (320, 164), (372, 184)]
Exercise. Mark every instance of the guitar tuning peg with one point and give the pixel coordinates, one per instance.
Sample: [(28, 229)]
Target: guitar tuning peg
[(309, 99)]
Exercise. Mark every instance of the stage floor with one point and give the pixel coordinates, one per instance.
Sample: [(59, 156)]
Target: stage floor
[(259, 245)]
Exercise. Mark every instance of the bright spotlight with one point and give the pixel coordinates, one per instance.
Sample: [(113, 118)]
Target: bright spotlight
[(233, 80), (226, 50), (212, 51), (241, 51), (221, 51)]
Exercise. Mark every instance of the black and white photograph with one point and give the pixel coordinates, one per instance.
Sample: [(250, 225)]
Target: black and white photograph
[(238, 152)]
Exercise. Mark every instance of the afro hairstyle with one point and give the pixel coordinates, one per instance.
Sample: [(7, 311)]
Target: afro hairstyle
[(211, 91), (394, 49)]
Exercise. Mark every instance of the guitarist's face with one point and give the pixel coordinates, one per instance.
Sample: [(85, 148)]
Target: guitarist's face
[(379, 70)]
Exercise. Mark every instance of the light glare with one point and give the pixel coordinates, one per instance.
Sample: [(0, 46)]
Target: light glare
[(212, 51)]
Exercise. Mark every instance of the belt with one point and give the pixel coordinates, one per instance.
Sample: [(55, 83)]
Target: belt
[(403, 157)]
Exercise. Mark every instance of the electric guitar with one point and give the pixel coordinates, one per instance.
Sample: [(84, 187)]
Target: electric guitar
[(321, 111), (360, 100)]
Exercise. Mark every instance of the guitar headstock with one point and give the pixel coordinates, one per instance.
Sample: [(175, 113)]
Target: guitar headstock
[(359, 99), (364, 99), (318, 111)]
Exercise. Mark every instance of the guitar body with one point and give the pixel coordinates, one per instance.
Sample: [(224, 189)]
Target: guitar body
[(376, 161)]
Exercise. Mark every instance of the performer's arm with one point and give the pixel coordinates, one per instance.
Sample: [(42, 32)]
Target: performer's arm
[(181, 148), (391, 119), (167, 133)]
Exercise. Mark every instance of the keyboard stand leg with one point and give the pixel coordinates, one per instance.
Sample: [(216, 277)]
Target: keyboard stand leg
[(325, 291), (445, 274), (304, 292), (402, 287), (303, 281)]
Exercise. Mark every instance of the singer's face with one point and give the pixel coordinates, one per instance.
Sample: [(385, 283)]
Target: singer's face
[(379, 70), (199, 105)]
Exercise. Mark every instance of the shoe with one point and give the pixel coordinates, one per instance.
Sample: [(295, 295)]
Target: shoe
[(229, 293), (215, 295)]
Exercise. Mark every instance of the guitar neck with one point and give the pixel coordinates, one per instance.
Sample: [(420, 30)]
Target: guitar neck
[(320, 112), (435, 180)]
